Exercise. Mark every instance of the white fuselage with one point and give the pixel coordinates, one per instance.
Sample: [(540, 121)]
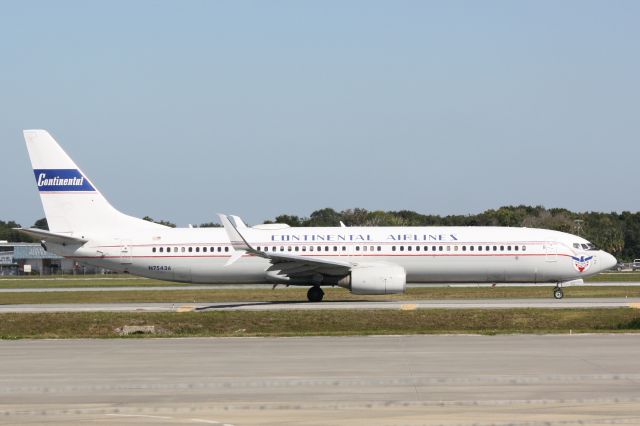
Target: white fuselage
[(428, 254)]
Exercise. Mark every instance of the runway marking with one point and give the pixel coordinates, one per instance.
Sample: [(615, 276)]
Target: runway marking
[(211, 422), (408, 307), (140, 415), (186, 308)]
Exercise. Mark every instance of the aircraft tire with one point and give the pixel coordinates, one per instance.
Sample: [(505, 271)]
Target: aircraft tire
[(558, 293)]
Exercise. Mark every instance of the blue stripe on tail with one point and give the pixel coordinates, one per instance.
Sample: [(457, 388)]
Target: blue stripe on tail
[(62, 180)]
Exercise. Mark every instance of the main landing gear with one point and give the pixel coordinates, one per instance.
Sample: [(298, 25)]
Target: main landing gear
[(315, 294), (558, 293)]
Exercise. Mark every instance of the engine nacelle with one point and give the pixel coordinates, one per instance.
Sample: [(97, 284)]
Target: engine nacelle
[(375, 278)]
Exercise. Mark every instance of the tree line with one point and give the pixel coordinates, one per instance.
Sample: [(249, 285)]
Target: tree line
[(617, 233)]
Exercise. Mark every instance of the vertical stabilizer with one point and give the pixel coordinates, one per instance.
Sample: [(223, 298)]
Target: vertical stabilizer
[(72, 203)]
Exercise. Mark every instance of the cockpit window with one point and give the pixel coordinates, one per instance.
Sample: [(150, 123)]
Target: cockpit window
[(585, 246), (592, 247)]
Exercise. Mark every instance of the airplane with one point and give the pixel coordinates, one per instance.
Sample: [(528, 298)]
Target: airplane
[(85, 227)]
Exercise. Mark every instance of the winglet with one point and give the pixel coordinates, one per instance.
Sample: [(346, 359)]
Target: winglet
[(238, 242), (238, 222)]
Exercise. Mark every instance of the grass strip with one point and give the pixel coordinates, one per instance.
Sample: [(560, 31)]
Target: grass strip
[(125, 280), (300, 294), (317, 323)]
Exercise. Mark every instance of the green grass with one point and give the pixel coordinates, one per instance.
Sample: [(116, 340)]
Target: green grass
[(615, 276), (300, 294), (126, 280), (316, 323)]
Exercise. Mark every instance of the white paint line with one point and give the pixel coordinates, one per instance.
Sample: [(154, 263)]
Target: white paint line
[(140, 415)]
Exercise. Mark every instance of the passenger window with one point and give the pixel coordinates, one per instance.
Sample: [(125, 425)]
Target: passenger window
[(335, 248), (524, 248), (190, 249), (408, 248), (455, 248), (258, 248), (204, 249), (440, 248), (344, 248), (401, 248), (297, 248), (479, 248), (516, 248), (219, 249), (357, 248), (487, 248), (501, 248), (379, 248), (226, 249), (211, 249), (364, 248), (168, 249), (495, 248), (417, 248), (326, 248), (273, 248), (304, 248), (471, 248), (448, 248), (433, 248), (426, 248), (393, 248), (464, 248), (153, 249), (508, 248), (197, 249)]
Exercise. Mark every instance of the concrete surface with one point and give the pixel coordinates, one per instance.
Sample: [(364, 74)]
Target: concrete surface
[(391, 380), (549, 303)]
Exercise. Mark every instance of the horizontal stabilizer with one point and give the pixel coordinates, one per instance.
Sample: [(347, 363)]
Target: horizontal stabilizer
[(51, 237)]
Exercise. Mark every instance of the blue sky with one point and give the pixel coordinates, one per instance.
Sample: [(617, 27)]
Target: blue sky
[(179, 110)]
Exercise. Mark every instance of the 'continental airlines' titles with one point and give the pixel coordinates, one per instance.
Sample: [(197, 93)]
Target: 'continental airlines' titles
[(361, 237)]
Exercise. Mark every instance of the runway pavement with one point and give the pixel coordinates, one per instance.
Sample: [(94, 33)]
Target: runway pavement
[(390, 380), (548, 303)]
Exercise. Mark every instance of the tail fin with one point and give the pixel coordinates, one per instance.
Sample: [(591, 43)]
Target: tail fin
[(72, 203)]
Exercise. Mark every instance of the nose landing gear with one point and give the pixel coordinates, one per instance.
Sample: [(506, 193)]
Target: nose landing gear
[(315, 294), (558, 293)]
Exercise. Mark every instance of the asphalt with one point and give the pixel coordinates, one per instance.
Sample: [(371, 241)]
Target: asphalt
[(547, 303), (388, 380)]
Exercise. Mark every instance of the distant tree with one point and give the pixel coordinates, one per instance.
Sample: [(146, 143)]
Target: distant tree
[(42, 224), (209, 225), (289, 220), (9, 234), (325, 217), (161, 222)]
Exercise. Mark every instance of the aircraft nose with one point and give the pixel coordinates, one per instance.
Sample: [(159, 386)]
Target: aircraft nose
[(608, 261)]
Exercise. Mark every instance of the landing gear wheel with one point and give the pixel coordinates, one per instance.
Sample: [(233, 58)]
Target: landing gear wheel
[(315, 294), (557, 293)]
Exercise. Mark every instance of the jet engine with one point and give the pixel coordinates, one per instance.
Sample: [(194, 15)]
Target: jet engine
[(375, 278)]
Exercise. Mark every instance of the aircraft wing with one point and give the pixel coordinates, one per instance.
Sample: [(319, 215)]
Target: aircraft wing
[(290, 265), (52, 237)]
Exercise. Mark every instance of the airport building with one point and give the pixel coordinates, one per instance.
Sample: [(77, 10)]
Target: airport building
[(30, 258)]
